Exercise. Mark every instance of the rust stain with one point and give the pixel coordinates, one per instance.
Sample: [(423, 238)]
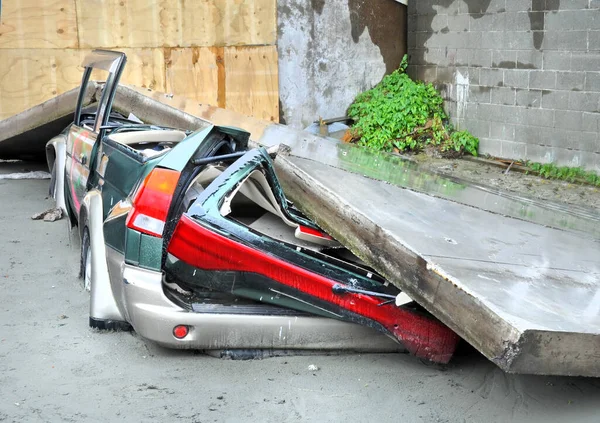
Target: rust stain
[(219, 53)]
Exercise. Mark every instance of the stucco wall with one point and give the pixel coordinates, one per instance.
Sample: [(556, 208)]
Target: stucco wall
[(522, 75), (329, 51)]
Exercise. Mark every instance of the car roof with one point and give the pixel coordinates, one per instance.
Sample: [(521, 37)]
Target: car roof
[(104, 59)]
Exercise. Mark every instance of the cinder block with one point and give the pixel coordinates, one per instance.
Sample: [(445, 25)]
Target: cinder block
[(539, 117), (493, 39), (568, 119), (479, 93), (518, 5), (458, 22), (586, 141), (594, 41), (518, 21), (513, 150), (517, 78), (552, 99), (570, 80), (584, 101), (531, 134), (502, 131), (490, 112), (591, 123), (565, 40), (574, 4), (439, 56), (517, 40), (480, 58), (491, 77), (530, 59), (503, 95), (542, 79), (462, 57), (479, 128), (594, 4), (529, 98), (490, 146), (505, 59), (568, 20), (585, 61), (487, 21), (557, 60)]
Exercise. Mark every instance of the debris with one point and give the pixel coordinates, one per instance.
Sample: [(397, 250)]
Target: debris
[(63, 316), (38, 174), (49, 215), (312, 368)]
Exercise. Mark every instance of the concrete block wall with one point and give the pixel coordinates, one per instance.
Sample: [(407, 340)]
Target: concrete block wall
[(522, 75), (331, 50)]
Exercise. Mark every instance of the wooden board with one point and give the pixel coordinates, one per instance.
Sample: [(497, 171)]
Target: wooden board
[(193, 73), (252, 81), (163, 23), (38, 24), (29, 77)]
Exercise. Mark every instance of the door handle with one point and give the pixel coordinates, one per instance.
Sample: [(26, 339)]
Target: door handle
[(83, 158)]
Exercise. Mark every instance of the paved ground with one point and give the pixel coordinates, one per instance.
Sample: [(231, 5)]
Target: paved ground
[(54, 368)]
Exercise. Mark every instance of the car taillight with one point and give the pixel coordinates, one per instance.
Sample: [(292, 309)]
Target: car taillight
[(151, 202)]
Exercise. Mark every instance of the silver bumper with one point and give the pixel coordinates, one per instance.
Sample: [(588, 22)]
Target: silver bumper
[(153, 317)]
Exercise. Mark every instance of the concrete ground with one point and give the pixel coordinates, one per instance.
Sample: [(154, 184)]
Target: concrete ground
[(53, 368)]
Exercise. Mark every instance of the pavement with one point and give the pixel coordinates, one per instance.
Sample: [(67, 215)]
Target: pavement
[(54, 368)]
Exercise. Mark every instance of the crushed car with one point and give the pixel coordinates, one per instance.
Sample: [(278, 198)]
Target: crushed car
[(188, 238)]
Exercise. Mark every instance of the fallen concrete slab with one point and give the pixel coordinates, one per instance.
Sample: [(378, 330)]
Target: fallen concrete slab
[(24, 135), (527, 296)]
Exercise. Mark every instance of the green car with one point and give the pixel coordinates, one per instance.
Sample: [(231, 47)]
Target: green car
[(188, 239)]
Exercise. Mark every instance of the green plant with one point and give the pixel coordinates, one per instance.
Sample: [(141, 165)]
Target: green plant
[(565, 173), (465, 141), (399, 113)]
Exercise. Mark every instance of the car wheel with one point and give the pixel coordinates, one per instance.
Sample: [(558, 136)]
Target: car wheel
[(85, 270)]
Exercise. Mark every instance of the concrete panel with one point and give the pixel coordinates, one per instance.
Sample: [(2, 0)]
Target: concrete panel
[(525, 295)]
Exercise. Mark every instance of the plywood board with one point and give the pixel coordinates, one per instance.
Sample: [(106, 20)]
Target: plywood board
[(139, 23), (38, 24), (194, 73), (145, 68), (252, 86), (29, 77)]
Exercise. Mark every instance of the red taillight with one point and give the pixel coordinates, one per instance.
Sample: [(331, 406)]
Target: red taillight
[(151, 202), (180, 331)]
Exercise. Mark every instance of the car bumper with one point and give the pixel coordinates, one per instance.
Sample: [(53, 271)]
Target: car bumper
[(153, 316)]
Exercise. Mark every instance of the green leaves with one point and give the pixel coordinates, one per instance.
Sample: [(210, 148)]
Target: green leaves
[(565, 173), (402, 114)]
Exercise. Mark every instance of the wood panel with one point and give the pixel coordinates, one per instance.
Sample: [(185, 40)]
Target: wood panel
[(29, 77), (252, 81), (38, 24), (165, 23), (193, 73), (145, 68)]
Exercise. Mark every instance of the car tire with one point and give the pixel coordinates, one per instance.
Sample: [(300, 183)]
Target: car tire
[(85, 268)]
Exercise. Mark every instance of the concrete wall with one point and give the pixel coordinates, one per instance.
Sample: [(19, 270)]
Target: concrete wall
[(330, 50), (522, 75)]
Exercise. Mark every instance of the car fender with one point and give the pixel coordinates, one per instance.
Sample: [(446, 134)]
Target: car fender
[(102, 302), (56, 156)]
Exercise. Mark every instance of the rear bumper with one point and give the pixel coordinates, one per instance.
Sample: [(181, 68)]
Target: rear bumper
[(153, 316)]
